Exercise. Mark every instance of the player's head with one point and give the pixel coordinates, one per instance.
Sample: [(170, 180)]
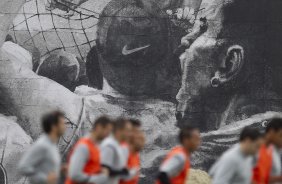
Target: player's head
[(54, 123), (190, 138), (251, 139), (273, 132), (239, 52), (102, 127), (137, 138), (122, 129)]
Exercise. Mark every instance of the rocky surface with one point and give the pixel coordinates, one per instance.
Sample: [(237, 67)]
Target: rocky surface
[(13, 142), (197, 176)]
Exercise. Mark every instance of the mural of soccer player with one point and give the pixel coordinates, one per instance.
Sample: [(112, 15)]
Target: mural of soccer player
[(27, 96), (230, 78), (151, 37)]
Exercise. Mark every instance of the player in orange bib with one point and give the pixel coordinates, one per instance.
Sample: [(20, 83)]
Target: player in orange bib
[(84, 162), (268, 167), (175, 168), (132, 148)]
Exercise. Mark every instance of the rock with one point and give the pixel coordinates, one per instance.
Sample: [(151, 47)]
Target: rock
[(197, 176), (17, 53), (13, 143)]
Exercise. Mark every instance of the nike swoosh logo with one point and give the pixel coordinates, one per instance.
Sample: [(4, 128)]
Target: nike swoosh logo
[(125, 51)]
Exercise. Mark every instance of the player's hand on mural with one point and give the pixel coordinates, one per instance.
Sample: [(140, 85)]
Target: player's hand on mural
[(70, 13), (185, 42), (52, 178), (185, 13)]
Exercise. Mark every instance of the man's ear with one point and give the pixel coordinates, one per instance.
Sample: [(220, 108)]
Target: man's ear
[(230, 67)]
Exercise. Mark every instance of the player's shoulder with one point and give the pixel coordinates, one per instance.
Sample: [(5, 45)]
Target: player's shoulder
[(109, 142), (41, 144), (180, 157), (231, 155)]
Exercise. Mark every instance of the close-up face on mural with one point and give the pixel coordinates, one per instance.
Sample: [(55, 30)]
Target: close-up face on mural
[(228, 70), (210, 64)]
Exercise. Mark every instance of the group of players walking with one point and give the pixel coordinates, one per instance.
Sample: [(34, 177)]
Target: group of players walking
[(109, 154)]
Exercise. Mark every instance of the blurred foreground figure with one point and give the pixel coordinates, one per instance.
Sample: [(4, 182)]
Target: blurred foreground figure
[(135, 145), (175, 168), (85, 163), (41, 164), (113, 156), (268, 168), (235, 165)]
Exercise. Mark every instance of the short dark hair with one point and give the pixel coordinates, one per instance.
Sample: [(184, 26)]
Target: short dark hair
[(274, 124), (186, 132), (250, 133), (102, 121), (51, 119), (135, 122), (119, 124)]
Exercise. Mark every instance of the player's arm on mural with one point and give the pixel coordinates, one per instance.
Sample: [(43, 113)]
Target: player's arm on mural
[(214, 143), (25, 94)]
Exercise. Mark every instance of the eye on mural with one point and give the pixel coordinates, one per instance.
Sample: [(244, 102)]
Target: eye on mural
[(214, 64)]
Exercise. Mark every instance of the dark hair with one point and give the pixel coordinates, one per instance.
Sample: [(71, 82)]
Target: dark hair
[(274, 124), (102, 121), (119, 124), (250, 133), (51, 119), (135, 122), (186, 132)]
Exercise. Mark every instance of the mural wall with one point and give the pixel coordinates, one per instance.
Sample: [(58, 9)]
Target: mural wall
[(214, 64)]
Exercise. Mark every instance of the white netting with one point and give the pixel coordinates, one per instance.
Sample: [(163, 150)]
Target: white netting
[(48, 29)]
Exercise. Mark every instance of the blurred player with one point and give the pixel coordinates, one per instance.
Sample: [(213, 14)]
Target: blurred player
[(85, 162), (174, 169), (235, 165), (268, 168), (134, 146), (113, 156), (41, 164)]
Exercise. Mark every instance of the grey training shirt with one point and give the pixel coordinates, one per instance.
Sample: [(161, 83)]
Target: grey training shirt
[(40, 160), (112, 155), (276, 162), (232, 168)]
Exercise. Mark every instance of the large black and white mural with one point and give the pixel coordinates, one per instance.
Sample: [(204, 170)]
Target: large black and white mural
[(214, 64)]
